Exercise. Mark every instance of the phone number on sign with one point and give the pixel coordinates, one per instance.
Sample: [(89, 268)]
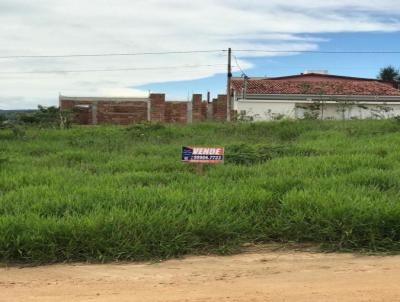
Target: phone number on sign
[(207, 157)]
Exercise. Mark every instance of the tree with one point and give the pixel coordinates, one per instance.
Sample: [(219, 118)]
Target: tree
[(390, 74), (48, 117)]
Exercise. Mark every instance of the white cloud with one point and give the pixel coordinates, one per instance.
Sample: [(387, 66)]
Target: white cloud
[(94, 26)]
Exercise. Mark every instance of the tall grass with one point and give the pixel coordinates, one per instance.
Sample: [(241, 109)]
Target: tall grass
[(121, 193)]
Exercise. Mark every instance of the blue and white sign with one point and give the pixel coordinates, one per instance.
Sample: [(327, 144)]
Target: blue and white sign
[(203, 155)]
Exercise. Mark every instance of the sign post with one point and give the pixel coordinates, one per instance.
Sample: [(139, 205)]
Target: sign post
[(200, 169), (203, 155)]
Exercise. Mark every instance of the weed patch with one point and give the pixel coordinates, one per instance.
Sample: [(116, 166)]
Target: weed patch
[(109, 193)]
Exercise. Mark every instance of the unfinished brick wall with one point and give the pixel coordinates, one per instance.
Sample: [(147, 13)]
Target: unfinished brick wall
[(82, 110), (83, 115), (176, 112), (105, 111), (157, 111), (204, 106), (66, 104), (196, 108), (124, 111), (220, 108)]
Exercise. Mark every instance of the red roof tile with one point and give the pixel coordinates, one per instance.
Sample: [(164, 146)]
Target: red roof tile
[(316, 84)]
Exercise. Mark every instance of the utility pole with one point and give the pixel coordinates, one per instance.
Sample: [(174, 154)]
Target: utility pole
[(228, 86)]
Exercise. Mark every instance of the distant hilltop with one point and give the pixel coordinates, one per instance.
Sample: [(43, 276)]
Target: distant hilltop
[(17, 110)]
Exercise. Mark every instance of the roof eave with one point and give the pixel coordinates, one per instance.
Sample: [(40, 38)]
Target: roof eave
[(334, 97)]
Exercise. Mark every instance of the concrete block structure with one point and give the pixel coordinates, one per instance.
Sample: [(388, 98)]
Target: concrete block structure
[(125, 111)]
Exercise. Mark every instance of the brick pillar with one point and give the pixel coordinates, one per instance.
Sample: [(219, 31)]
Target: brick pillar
[(204, 106), (157, 107), (196, 107), (220, 108)]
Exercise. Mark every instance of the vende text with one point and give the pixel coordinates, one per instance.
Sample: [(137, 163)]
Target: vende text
[(208, 151)]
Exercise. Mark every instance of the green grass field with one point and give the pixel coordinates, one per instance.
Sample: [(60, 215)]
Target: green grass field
[(122, 193)]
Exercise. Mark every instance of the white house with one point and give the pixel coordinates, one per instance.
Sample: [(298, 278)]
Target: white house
[(314, 95)]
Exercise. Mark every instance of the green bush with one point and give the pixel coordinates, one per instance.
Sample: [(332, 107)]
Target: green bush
[(47, 117), (246, 154)]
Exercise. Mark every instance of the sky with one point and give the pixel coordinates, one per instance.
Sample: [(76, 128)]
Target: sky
[(71, 27)]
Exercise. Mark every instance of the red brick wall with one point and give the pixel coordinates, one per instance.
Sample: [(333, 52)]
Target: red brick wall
[(219, 108), (157, 111), (70, 104), (66, 105), (127, 112), (176, 112), (196, 108), (110, 112), (204, 106), (123, 113), (81, 115)]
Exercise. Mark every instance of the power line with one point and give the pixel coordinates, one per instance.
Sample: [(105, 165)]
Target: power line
[(320, 51), (108, 70), (199, 51), (112, 54), (237, 64)]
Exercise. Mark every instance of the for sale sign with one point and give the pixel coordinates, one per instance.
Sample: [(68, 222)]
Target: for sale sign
[(203, 155)]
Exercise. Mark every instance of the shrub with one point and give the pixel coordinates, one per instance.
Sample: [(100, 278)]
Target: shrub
[(154, 132), (52, 117), (246, 154)]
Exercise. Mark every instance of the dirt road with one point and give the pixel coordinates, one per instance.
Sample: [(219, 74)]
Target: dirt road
[(258, 275)]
